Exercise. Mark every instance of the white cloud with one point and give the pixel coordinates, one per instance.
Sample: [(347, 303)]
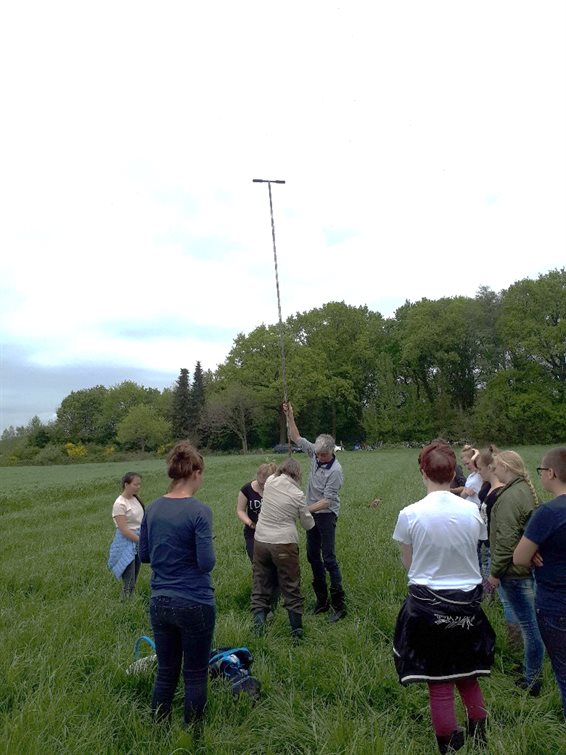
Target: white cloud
[(427, 138)]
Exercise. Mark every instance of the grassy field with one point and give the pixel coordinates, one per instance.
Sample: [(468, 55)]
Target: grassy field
[(67, 638)]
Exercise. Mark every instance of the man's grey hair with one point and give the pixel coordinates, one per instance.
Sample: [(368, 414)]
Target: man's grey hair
[(324, 444)]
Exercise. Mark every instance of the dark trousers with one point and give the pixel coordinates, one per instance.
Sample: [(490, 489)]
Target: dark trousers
[(182, 631), (249, 535), (129, 576), (273, 564), (321, 550), (553, 632)]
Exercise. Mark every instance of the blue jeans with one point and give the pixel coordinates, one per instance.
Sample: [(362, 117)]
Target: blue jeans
[(553, 631), (508, 614), (520, 595), (182, 631), (321, 549)]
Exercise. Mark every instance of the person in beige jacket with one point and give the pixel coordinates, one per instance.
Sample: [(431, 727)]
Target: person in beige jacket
[(277, 545)]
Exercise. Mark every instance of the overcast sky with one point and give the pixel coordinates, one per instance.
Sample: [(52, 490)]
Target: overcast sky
[(423, 145)]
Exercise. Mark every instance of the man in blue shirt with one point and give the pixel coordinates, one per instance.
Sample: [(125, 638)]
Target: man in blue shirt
[(325, 481), (544, 546)]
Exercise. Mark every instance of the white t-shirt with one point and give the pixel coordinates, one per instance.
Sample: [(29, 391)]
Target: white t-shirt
[(474, 481), (131, 508), (443, 531)]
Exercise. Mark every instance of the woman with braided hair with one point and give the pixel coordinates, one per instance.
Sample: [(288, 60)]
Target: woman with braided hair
[(511, 511)]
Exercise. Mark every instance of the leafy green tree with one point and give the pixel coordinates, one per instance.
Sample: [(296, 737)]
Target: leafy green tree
[(335, 369), (118, 400), (331, 364), (447, 349), (78, 417), (13, 443), (254, 362), (181, 407), (232, 410), (520, 406), (164, 403), (532, 323), (143, 428), (381, 412)]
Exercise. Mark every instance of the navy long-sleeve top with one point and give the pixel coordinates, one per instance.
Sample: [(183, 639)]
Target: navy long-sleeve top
[(176, 539)]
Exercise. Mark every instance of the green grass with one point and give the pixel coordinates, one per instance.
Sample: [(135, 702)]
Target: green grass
[(67, 638)]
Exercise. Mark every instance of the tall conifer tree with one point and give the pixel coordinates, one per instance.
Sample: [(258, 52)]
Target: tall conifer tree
[(181, 407), (197, 398)]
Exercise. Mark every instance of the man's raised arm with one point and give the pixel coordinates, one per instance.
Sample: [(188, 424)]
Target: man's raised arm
[(294, 433)]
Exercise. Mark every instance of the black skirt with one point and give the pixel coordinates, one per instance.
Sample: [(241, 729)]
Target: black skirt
[(442, 636)]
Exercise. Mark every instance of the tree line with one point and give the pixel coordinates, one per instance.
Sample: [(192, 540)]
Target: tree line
[(491, 367)]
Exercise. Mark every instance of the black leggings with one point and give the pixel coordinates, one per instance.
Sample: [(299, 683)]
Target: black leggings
[(130, 575)]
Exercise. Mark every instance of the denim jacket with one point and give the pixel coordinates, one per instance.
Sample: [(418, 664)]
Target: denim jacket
[(122, 553)]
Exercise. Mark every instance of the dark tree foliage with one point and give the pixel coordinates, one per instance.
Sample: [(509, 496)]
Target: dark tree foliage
[(197, 399), (487, 368), (37, 433), (181, 407)]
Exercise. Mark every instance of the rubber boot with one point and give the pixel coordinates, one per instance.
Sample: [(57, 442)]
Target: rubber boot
[(296, 622), (477, 732), (259, 621), (451, 742), (273, 603), (321, 592), (338, 601)]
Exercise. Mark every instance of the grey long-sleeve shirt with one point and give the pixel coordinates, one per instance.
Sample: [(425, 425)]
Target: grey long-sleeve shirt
[(325, 480)]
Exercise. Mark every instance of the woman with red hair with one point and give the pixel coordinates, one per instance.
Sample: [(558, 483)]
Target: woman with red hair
[(442, 636)]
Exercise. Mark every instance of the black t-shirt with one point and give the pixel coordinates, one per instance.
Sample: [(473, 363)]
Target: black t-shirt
[(459, 480), (484, 490), (489, 501), (253, 501)]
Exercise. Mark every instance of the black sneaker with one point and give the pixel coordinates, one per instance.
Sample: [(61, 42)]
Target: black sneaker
[(337, 615), (321, 608), (533, 688)]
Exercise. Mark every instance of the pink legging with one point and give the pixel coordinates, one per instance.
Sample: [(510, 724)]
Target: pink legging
[(442, 709)]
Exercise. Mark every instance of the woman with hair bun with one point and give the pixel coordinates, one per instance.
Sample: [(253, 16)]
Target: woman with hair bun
[(127, 512), (176, 539), (515, 503), (442, 636)]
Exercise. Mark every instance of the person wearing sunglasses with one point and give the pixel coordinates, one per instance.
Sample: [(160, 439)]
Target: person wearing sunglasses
[(544, 546)]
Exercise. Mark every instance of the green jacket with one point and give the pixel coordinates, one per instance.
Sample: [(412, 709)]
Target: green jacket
[(509, 517)]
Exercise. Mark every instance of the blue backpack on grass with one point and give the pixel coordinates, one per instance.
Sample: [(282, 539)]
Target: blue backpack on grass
[(234, 665), (228, 663)]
